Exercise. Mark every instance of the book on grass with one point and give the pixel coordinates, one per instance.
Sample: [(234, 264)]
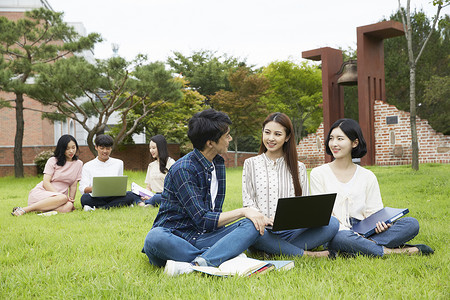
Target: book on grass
[(281, 265), (262, 270), (140, 191), (387, 215), (240, 266)]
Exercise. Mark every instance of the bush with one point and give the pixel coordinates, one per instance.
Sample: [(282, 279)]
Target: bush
[(41, 159)]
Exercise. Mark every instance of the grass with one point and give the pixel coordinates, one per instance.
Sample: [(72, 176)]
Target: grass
[(97, 254)]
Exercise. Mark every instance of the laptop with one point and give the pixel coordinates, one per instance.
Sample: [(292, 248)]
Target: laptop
[(303, 212), (109, 186), (387, 215)]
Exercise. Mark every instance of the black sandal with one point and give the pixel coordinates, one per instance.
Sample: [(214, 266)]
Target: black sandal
[(423, 249)]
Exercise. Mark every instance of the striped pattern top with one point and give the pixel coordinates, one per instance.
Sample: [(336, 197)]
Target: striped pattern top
[(265, 180)]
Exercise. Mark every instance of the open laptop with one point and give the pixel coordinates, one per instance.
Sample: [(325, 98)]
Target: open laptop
[(109, 186), (303, 212)]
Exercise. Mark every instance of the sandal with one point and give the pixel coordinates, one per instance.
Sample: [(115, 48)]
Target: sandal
[(18, 211), (423, 249)]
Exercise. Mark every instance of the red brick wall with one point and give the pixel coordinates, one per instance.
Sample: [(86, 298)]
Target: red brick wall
[(37, 131), (434, 147), (12, 15), (311, 149), (135, 157), (229, 158)]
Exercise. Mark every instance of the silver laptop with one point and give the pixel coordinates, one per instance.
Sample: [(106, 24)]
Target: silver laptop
[(303, 212), (109, 186)]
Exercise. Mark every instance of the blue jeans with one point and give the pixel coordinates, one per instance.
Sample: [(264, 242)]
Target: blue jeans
[(108, 202), (402, 231), (155, 200), (209, 249), (296, 241)]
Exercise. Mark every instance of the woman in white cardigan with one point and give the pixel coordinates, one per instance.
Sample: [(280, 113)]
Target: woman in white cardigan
[(276, 173), (358, 197)]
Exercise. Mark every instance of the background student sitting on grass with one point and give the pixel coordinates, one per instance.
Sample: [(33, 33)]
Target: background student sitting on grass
[(58, 188), (157, 169), (103, 165)]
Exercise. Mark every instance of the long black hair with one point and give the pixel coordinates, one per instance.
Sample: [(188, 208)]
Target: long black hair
[(61, 148), (289, 147), (163, 153)]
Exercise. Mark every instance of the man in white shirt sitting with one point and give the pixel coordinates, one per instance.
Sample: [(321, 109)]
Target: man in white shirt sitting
[(103, 165)]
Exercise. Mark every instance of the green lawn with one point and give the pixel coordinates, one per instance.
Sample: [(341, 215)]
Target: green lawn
[(98, 254)]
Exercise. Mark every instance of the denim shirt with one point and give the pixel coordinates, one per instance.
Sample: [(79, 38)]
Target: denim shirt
[(186, 199)]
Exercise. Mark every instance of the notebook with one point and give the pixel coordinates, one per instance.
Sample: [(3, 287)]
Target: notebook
[(387, 215), (303, 212), (109, 186), (281, 265)]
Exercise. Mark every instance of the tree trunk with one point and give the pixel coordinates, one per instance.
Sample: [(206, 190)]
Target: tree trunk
[(413, 113), (412, 90), (235, 152), (90, 142), (18, 161), (298, 127)]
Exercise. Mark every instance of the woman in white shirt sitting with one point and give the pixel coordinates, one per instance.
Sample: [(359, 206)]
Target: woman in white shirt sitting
[(157, 170), (276, 173), (358, 197)]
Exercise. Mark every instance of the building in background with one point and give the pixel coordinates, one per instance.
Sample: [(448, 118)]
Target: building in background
[(39, 132)]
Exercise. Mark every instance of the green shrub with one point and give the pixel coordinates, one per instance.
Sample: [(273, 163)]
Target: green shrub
[(41, 159)]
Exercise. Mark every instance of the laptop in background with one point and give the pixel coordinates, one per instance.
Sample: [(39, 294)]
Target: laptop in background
[(303, 212), (109, 186)]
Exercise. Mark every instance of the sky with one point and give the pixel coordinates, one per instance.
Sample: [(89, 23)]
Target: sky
[(260, 31)]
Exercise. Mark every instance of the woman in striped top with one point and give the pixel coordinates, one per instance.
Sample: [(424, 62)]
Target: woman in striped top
[(276, 173)]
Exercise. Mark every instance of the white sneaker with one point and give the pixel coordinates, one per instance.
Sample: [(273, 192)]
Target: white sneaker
[(175, 268), (88, 208), (242, 255)]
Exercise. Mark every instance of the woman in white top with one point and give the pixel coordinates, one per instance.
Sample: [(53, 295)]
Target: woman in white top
[(358, 197), (276, 173), (157, 170)]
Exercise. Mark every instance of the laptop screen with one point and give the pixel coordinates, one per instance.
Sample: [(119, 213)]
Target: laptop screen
[(303, 212)]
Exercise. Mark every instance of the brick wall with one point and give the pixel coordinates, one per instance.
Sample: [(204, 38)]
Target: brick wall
[(392, 141), (135, 157), (311, 149), (12, 15), (229, 158), (36, 131)]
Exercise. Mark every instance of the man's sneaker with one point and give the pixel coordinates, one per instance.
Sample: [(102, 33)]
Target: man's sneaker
[(88, 208), (175, 268)]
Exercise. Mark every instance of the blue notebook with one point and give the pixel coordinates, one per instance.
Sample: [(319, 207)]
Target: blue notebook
[(387, 215), (281, 264)]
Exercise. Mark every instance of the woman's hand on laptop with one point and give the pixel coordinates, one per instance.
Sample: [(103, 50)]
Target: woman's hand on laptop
[(259, 220)]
